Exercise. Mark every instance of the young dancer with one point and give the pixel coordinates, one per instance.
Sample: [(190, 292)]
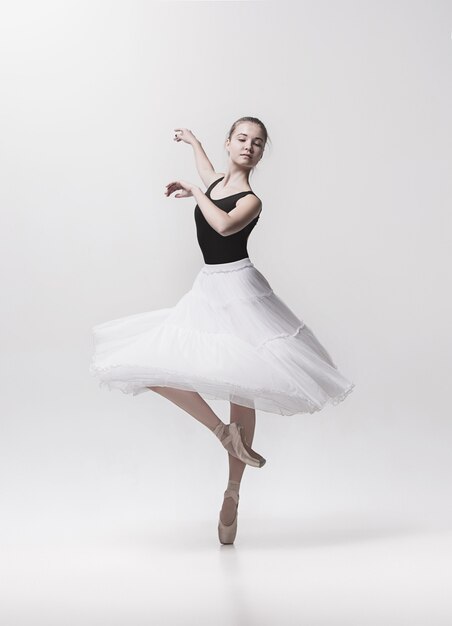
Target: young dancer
[(230, 337)]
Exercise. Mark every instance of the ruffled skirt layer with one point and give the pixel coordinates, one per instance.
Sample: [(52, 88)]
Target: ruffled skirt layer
[(230, 337)]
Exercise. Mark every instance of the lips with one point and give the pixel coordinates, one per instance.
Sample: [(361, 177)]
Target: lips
[(246, 155)]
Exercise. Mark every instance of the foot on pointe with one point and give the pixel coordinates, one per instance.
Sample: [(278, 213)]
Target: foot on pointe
[(233, 439)]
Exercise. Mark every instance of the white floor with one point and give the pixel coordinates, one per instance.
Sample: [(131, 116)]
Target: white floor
[(332, 572), (109, 505)]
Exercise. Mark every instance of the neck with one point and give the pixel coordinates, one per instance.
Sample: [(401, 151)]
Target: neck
[(236, 177)]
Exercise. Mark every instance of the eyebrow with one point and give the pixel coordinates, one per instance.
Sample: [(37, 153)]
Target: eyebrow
[(238, 134)]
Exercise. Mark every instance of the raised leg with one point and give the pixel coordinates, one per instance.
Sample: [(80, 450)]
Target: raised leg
[(191, 402), (247, 417)]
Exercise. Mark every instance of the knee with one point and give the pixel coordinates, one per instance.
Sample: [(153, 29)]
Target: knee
[(238, 411)]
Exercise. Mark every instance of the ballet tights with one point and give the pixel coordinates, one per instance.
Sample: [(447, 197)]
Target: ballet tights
[(191, 402), (197, 407), (247, 417)]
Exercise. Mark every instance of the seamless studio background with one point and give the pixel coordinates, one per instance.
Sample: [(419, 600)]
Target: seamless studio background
[(354, 236)]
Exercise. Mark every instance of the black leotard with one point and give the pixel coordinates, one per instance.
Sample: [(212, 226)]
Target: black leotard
[(214, 247)]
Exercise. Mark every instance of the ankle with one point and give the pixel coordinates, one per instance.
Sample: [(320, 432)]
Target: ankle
[(234, 485), (218, 429)]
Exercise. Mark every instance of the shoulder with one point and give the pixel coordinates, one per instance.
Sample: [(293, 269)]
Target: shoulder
[(251, 203), (251, 198)]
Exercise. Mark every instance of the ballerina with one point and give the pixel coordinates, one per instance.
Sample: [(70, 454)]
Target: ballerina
[(230, 337)]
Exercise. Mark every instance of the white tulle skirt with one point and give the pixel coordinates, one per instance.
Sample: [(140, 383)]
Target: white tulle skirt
[(230, 337)]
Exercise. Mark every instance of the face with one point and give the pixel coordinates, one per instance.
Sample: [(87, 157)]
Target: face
[(247, 138)]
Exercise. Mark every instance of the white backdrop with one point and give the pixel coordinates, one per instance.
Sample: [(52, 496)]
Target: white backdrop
[(354, 236)]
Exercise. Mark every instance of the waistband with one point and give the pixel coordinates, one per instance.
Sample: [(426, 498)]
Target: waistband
[(227, 267)]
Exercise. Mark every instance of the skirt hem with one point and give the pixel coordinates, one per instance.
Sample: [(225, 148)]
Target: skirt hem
[(262, 399)]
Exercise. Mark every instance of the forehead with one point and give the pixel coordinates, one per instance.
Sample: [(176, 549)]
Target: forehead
[(250, 130)]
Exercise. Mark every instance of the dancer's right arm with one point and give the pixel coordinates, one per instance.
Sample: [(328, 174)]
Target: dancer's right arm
[(205, 168)]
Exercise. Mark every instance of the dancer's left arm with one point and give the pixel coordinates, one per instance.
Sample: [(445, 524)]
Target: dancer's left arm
[(225, 224)]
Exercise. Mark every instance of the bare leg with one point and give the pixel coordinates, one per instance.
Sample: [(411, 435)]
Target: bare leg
[(247, 417), (193, 403)]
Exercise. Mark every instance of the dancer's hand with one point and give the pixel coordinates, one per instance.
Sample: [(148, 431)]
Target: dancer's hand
[(186, 187), (184, 134)]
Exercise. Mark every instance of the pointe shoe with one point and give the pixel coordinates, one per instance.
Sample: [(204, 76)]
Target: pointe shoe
[(233, 439), (227, 532)]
